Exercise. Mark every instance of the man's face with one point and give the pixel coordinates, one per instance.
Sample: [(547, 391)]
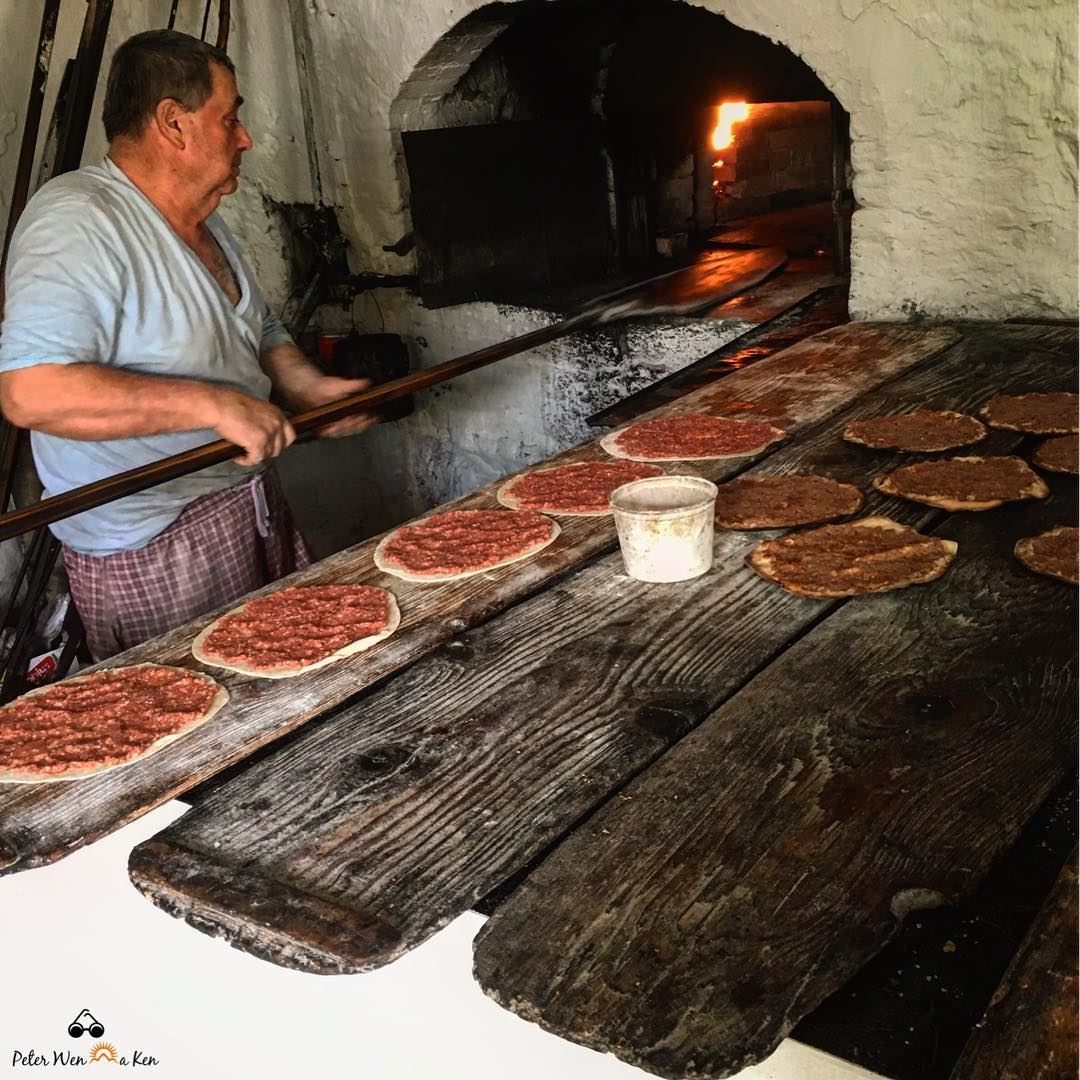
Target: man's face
[(216, 137)]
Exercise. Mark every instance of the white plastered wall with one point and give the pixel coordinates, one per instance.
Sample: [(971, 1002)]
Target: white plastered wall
[(260, 44), (963, 126), (963, 129)]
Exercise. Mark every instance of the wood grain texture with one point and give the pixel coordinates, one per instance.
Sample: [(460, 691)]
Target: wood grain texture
[(1030, 1029), (713, 277), (805, 385), (876, 768), (824, 310), (411, 804)]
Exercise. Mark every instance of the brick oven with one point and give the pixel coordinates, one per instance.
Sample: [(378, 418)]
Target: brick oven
[(588, 141)]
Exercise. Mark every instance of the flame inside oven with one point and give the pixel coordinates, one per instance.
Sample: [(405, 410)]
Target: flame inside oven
[(728, 115)]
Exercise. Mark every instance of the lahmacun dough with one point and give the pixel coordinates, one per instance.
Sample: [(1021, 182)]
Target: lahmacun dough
[(778, 502), (965, 483), (1055, 553), (874, 554), (1060, 454), (1037, 414), (579, 489), (103, 720), (459, 543), (690, 437), (922, 431), (298, 629)]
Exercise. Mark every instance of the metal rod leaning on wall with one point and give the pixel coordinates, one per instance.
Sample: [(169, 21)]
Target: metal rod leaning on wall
[(21, 190), (223, 24), (9, 434), (76, 119)]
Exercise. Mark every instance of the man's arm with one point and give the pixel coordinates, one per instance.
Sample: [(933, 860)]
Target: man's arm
[(300, 385), (94, 402)]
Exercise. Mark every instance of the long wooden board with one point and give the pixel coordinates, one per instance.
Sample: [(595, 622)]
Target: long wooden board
[(1030, 1029), (876, 768), (40, 823), (464, 768)]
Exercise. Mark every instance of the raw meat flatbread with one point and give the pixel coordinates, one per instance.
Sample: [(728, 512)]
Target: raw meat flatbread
[(1055, 553), (1059, 454), (92, 723), (922, 431), (1037, 414), (459, 543), (580, 489), (690, 437), (298, 629), (777, 502), (873, 554), (965, 483)]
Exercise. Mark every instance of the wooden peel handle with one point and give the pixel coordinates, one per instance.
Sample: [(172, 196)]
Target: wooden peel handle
[(147, 476)]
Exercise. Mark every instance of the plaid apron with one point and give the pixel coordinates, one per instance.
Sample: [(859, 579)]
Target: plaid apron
[(220, 548)]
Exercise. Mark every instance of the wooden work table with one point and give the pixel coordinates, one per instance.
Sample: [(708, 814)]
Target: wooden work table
[(718, 798)]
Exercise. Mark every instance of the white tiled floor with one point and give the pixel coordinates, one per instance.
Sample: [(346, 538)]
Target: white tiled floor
[(78, 936)]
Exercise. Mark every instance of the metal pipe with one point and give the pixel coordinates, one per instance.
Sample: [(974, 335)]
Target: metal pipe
[(21, 190), (223, 24), (81, 100)]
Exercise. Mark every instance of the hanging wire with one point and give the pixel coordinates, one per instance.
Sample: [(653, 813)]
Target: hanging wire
[(205, 20), (172, 14)]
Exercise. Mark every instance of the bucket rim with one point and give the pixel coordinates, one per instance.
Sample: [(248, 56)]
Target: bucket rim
[(709, 492)]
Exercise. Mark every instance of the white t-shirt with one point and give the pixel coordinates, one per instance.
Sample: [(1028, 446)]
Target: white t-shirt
[(96, 274)]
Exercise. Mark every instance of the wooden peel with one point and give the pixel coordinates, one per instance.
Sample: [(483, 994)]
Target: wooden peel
[(681, 292)]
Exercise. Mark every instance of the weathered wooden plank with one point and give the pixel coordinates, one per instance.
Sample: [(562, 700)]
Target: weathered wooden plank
[(1030, 1029), (40, 823), (876, 768), (827, 309), (461, 770), (776, 296)]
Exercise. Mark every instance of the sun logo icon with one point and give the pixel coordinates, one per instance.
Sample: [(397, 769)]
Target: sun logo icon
[(103, 1051)]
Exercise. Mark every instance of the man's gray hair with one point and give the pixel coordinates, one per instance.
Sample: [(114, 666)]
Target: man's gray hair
[(152, 66)]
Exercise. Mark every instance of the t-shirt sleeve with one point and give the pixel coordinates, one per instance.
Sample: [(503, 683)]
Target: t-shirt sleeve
[(64, 289), (273, 329)]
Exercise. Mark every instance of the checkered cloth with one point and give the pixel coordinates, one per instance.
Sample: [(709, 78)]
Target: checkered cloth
[(221, 547)]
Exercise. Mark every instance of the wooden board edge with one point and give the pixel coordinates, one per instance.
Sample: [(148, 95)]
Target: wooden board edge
[(238, 907)]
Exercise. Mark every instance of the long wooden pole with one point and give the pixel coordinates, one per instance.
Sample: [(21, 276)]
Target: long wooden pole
[(146, 476), (692, 288)]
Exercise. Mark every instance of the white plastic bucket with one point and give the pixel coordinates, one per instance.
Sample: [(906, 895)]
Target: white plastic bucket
[(665, 526)]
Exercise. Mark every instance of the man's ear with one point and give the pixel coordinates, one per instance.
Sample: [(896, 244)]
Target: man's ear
[(168, 119)]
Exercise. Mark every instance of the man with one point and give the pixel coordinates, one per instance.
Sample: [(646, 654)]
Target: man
[(134, 330)]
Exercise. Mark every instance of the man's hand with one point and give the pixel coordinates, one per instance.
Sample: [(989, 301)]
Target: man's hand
[(262, 429), (302, 386), (330, 388)]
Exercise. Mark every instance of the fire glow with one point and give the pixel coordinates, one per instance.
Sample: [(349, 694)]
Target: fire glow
[(727, 116)]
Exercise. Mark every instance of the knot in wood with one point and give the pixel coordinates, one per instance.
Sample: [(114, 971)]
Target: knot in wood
[(459, 650), (381, 761), (671, 718), (928, 706)]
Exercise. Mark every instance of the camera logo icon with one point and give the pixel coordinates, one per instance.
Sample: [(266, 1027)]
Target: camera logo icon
[(84, 1022)]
